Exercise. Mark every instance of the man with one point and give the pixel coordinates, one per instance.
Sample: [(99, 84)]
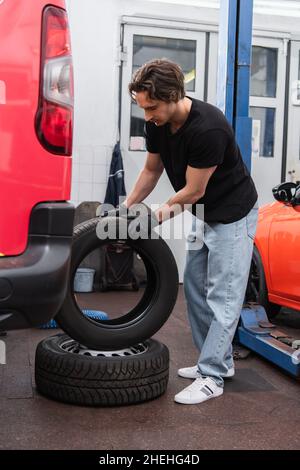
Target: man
[(195, 144)]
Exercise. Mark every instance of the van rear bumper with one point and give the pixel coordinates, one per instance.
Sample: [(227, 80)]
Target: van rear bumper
[(33, 285)]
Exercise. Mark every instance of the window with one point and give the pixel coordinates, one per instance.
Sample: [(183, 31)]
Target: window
[(264, 72), (145, 48), (266, 116)]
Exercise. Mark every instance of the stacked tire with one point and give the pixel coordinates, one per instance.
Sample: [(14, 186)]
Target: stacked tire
[(97, 380), (103, 363)]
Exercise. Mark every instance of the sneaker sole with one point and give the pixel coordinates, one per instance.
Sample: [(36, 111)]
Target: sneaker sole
[(198, 376), (193, 377), (229, 376)]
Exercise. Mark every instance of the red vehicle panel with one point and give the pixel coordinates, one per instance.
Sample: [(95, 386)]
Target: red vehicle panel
[(278, 243), (36, 115), (29, 174)]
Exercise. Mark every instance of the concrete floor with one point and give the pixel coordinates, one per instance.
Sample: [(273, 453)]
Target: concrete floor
[(260, 408)]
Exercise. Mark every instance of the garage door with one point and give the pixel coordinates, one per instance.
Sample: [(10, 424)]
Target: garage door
[(267, 110), (142, 44)]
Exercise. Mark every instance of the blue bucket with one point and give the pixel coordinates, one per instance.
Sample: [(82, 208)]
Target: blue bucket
[(84, 279)]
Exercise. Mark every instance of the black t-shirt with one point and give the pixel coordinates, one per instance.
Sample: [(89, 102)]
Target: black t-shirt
[(206, 139)]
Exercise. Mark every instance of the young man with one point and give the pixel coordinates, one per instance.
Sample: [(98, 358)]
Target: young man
[(196, 146)]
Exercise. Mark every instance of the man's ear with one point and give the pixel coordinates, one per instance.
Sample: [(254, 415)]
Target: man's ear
[(174, 97)]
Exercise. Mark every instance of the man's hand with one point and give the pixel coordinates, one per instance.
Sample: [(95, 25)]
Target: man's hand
[(143, 224), (119, 211)]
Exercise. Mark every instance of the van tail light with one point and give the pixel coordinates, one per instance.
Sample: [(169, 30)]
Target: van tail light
[(54, 117)]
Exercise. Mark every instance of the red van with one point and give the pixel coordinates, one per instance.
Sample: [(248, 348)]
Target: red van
[(36, 118)]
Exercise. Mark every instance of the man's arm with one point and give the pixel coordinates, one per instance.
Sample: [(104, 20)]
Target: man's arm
[(147, 179), (196, 182)]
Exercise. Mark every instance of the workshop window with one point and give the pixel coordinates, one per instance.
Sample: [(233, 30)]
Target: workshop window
[(264, 72), (266, 116), (145, 48)]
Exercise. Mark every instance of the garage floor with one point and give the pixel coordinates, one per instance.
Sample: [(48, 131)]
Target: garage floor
[(260, 408)]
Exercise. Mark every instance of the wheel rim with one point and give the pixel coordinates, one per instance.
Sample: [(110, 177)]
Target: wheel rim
[(72, 346)]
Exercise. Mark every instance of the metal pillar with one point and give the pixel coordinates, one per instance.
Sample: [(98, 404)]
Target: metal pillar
[(235, 47)]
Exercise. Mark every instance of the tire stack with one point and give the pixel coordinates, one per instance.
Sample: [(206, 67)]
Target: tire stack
[(110, 363)]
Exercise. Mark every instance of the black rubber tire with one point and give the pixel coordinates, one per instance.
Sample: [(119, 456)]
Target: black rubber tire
[(100, 381), (146, 318), (258, 291)]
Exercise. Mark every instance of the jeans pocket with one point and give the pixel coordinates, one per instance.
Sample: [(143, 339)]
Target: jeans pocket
[(251, 220)]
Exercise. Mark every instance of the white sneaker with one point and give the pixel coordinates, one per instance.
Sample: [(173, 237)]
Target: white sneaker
[(229, 373), (199, 391), (189, 373), (193, 373)]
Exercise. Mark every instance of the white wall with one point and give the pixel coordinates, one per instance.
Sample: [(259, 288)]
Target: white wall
[(94, 35)]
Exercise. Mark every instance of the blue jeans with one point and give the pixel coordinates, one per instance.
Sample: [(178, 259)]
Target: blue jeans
[(215, 281)]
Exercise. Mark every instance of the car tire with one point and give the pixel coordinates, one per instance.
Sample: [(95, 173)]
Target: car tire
[(152, 310), (67, 372), (257, 287)]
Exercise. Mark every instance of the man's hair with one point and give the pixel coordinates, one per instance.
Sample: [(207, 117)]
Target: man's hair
[(163, 79)]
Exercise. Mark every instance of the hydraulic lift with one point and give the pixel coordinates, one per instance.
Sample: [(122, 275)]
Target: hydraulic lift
[(234, 62), (258, 334)]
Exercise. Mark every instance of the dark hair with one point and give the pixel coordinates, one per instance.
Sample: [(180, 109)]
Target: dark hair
[(163, 79)]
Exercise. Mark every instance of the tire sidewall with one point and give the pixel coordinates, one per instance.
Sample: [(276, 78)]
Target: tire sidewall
[(145, 325)]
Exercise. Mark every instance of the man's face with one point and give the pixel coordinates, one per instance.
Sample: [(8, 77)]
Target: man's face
[(156, 111)]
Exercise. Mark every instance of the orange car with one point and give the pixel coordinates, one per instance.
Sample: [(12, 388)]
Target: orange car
[(275, 272)]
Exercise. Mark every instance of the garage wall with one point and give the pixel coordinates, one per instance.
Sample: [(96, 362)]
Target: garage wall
[(93, 34)]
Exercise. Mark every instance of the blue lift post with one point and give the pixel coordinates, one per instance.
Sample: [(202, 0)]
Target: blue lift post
[(234, 63)]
